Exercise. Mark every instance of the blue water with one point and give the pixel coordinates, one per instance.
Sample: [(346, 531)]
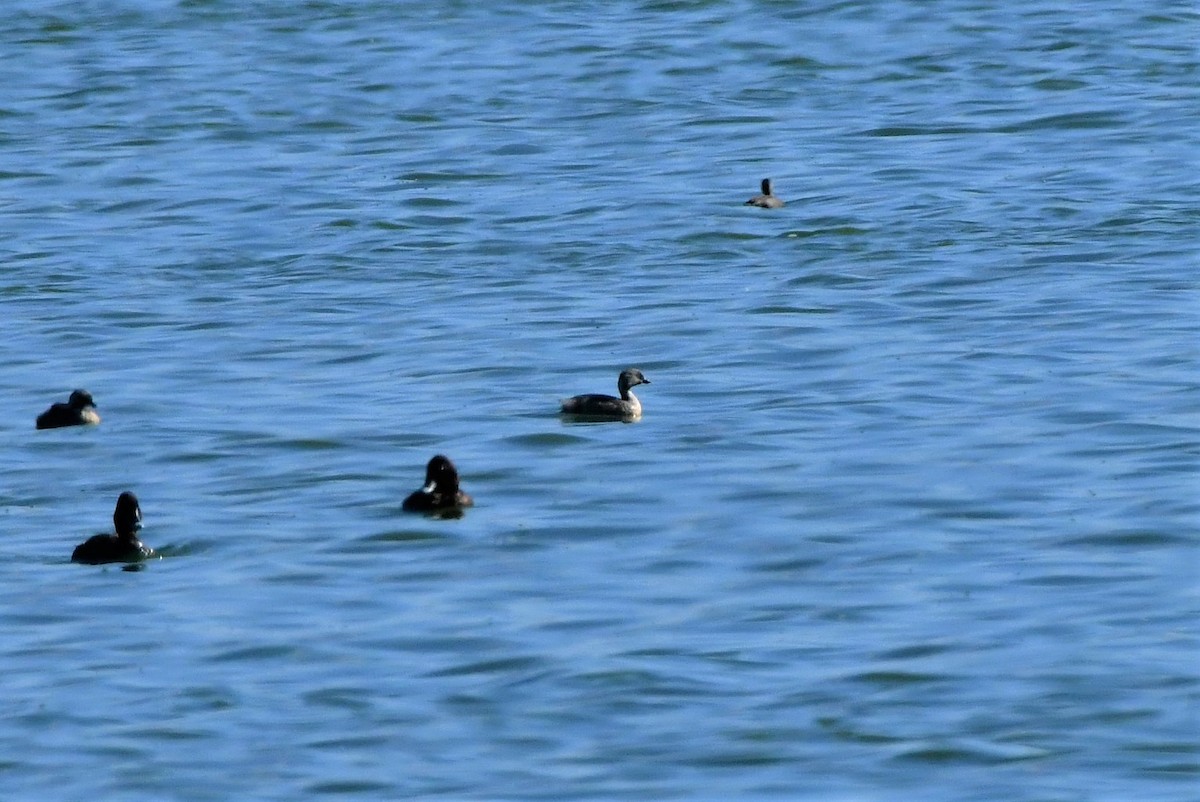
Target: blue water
[(912, 512)]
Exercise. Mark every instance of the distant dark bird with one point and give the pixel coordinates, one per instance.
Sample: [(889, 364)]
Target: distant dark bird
[(766, 200), (122, 547), (594, 405), (441, 493), (79, 410)]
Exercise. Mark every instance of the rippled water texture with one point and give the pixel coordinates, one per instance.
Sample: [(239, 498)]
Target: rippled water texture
[(912, 512)]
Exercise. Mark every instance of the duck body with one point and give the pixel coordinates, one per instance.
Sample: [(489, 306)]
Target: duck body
[(80, 410), (766, 200), (100, 549), (607, 407), (122, 547), (441, 493)]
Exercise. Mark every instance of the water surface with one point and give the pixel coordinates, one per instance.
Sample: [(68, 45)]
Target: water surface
[(912, 511)]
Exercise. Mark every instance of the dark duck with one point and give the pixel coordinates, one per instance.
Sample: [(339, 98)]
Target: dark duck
[(441, 493), (121, 547), (80, 410)]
